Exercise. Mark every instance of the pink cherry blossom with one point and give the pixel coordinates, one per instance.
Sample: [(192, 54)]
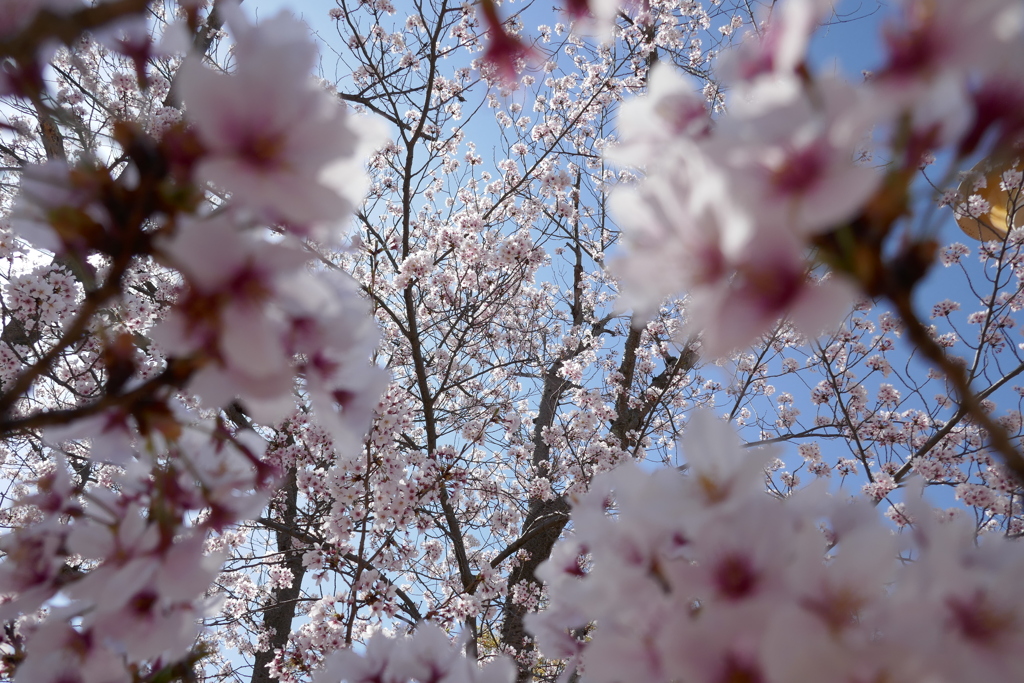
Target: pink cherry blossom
[(277, 142)]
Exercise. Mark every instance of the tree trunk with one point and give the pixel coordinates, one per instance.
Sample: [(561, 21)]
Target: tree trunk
[(278, 616)]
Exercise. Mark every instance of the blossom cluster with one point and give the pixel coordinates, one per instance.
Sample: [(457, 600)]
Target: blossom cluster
[(730, 205), (428, 656), (703, 577), (131, 567), (119, 538)]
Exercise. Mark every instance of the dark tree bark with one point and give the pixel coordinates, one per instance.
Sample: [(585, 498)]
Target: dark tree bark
[(278, 615)]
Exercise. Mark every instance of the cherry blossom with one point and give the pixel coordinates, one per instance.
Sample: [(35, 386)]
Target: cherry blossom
[(664, 589), (427, 655), (277, 142)]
